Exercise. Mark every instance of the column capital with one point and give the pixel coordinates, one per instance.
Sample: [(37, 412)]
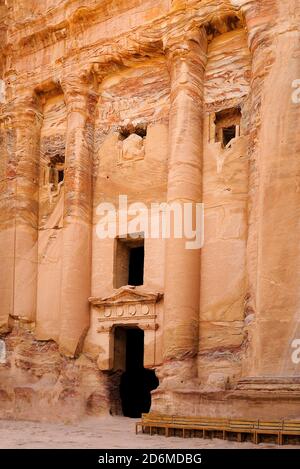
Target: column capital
[(186, 61), (25, 107), (193, 41), (24, 96), (78, 90)]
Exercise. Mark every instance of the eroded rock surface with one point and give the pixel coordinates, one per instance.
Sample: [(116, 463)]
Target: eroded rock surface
[(38, 383), (161, 101)]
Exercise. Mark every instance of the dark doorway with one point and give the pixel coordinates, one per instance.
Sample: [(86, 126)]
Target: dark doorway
[(136, 382)]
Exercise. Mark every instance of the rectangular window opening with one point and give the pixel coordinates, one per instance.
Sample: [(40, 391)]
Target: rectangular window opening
[(227, 125), (129, 262)]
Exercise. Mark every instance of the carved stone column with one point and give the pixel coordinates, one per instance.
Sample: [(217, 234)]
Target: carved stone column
[(76, 276), (274, 229), (186, 61), (26, 128), (7, 219)]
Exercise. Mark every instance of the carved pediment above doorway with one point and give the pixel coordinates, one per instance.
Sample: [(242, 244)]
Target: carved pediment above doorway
[(127, 305), (127, 295)]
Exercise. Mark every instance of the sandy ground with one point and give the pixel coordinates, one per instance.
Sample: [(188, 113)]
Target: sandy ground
[(100, 433)]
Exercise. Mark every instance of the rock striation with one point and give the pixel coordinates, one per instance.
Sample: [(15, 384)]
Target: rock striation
[(164, 101)]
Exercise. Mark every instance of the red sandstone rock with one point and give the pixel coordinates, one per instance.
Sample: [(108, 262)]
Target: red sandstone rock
[(140, 98)]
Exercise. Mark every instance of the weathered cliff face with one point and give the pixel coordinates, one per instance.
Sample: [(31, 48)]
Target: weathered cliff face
[(161, 101), (38, 383)]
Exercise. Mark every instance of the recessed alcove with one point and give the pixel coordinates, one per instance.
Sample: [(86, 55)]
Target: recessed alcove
[(56, 171), (224, 24), (227, 125), (127, 130)]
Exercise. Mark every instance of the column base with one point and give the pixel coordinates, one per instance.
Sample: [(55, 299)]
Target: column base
[(177, 374), (253, 397)]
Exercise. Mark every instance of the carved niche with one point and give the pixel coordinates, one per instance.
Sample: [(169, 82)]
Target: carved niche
[(131, 149), (132, 140)]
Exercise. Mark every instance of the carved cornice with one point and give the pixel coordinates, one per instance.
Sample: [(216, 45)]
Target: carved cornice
[(140, 42), (152, 38), (153, 326), (79, 89), (127, 295), (57, 23)]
